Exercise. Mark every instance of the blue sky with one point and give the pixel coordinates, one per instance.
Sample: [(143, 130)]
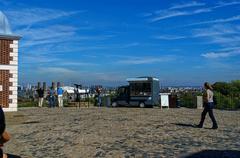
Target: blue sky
[(104, 42)]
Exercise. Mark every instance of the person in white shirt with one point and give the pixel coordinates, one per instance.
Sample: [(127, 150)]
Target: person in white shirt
[(208, 106)]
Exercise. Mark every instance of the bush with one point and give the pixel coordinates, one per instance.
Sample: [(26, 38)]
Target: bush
[(227, 101), (187, 100)]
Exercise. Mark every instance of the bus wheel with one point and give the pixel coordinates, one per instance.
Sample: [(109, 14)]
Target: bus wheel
[(114, 104), (142, 105)]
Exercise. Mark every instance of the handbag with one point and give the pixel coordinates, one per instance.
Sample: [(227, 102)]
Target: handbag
[(5, 137)]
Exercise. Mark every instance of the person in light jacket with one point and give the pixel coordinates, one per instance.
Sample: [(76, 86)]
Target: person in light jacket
[(60, 92)]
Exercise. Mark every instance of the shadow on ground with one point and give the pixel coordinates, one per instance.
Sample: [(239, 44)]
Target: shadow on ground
[(215, 154), (13, 156), (185, 125)]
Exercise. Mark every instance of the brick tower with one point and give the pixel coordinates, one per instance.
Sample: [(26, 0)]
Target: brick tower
[(8, 72)]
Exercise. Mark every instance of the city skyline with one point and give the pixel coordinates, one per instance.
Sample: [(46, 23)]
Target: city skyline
[(93, 42)]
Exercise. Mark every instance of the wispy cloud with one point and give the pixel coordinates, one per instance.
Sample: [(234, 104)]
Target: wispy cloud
[(36, 58), (169, 37), (225, 4), (49, 32), (69, 75), (30, 16), (234, 18), (55, 34), (169, 14), (4, 24), (177, 10), (60, 71), (216, 30), (187, 5), (215, 55), (5, 2), (133, 44), (226, 35), (130, 60), (75, 63)]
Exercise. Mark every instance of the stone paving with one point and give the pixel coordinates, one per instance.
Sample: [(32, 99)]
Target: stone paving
[(118, 132)]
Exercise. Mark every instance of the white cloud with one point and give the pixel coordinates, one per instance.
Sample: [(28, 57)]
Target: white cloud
[(169, 37), (166, 14), (226, 40), (214, 30), (76, 76), (4, 24), (37, 59), (30, 16), (130, 45), (177, 10), (54, 34), (130, 60), (187, 5), (5, 2), (74, 63), (234, 18), (49, 32), (225, 35), (215, 55), (57, 70), (224, 4)]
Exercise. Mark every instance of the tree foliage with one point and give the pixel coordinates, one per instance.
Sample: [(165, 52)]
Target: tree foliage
[(232, 88), (227, 94)]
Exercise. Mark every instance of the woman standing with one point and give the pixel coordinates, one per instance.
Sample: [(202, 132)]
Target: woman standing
[(208, 106)]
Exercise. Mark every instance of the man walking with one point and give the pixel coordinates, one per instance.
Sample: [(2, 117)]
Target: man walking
[(40, 93)]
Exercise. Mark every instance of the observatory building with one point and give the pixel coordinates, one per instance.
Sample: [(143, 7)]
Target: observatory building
[(8, 66)]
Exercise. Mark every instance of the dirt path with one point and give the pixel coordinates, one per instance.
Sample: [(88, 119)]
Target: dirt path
[(117, 132)]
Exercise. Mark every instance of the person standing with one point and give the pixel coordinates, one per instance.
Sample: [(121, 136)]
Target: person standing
[(52, 99), (208, 106), (60, 92), (40, 92), (4, 136), (99, 99)]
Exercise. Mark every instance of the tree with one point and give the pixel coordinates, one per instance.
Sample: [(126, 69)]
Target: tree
[(222, 87)]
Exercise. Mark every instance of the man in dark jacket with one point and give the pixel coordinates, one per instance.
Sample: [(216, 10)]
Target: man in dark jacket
[(2, 129), (40, 92)]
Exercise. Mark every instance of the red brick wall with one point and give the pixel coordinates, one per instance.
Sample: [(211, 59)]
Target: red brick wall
[(5, 51), (4, 94)]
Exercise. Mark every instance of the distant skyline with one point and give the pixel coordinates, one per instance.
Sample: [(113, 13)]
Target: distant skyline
[(104, 42)]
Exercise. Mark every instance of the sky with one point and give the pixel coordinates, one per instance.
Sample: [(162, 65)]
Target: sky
[(181, 42)]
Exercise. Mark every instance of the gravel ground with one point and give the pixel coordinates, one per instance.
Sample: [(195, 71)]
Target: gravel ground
[(120, 132)]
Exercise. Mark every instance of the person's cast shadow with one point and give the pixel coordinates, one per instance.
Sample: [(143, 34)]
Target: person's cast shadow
[(214, 154)]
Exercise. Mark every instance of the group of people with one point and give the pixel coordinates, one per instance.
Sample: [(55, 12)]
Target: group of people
[(52, 95)]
